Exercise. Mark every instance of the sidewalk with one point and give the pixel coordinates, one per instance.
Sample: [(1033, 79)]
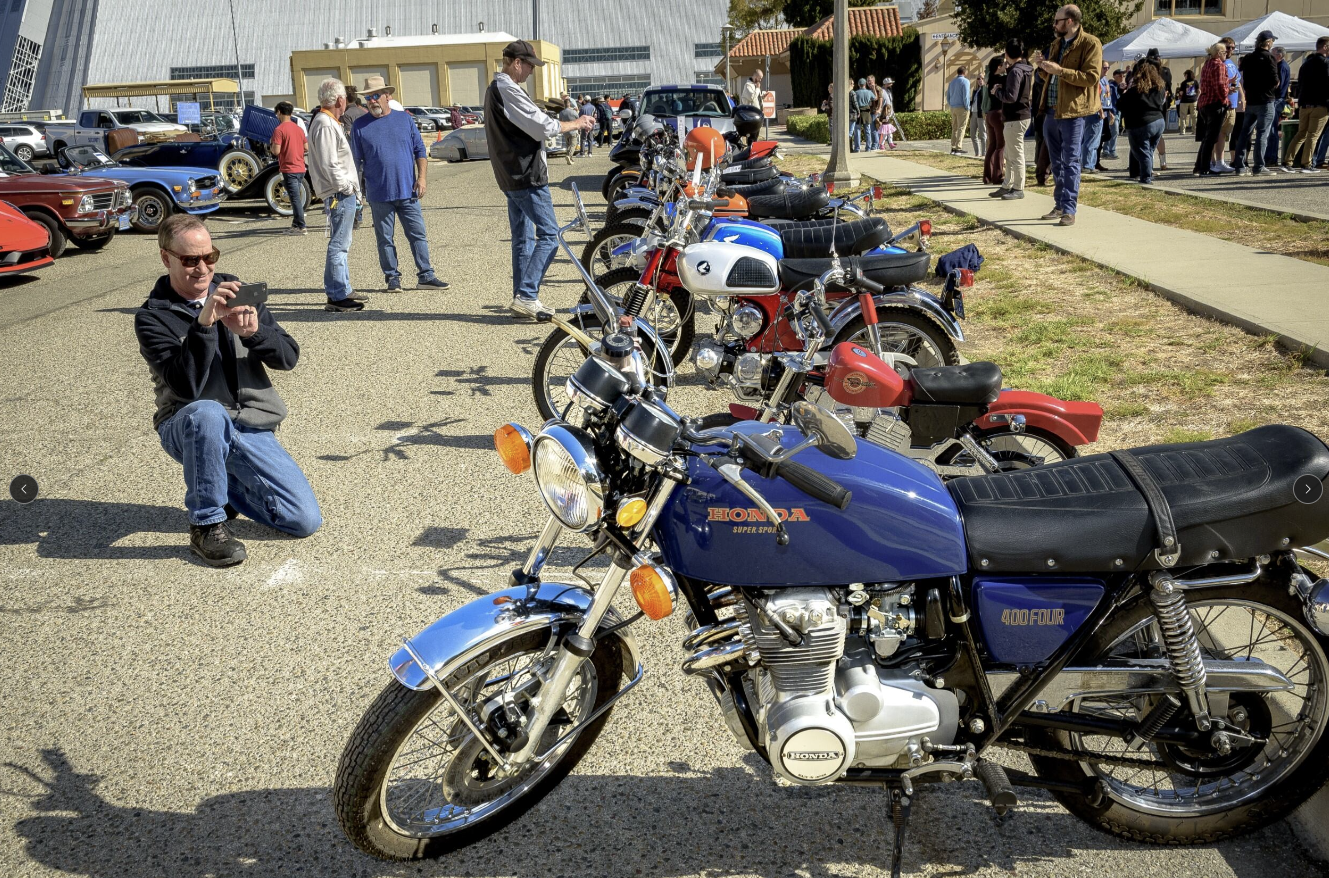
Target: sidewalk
[(1261, 292)]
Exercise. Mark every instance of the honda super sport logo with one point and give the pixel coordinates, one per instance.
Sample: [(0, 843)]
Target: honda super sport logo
[(754, 521), (1033, 617)]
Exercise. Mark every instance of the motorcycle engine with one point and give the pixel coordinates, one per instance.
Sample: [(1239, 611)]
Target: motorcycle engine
[(823, 703)]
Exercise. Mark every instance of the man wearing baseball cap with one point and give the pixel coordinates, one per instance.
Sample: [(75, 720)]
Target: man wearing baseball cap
[(516, 130), (1259, 72)]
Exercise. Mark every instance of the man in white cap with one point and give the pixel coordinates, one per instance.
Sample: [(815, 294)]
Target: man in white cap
[(516, 130), (391, 155)]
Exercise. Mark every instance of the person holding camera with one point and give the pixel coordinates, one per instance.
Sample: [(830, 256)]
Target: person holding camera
[(216, 407)]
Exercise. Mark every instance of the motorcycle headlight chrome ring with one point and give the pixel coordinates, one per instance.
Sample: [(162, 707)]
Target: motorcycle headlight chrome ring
[(569, 476)]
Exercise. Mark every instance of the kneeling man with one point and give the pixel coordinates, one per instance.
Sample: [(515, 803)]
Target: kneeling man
[(216, 407)]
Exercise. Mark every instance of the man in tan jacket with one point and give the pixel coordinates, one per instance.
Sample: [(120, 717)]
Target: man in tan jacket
[(1070, 93)]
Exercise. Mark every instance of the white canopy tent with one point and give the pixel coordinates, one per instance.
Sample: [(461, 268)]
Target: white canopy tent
[(1172, 39), (1292, 33)]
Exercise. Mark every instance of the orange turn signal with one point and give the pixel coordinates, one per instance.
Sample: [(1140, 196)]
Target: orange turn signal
[(652, 592), (631, 512), (925, 228), (510, 443)]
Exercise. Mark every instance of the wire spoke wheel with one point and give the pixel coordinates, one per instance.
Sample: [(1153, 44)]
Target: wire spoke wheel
[(1029, 448), (902, 333)]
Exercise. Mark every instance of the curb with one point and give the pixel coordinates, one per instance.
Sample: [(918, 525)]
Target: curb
[(1302, 216)]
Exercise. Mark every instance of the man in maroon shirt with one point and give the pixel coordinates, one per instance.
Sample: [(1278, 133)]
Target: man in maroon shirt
[(288, 142)]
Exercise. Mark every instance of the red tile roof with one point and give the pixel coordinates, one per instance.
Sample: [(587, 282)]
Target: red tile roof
[(875, 21), (760, 43)]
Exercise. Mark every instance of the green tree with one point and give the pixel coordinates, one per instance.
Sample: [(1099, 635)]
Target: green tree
[(806, 13), (991, 23), (749, 15)]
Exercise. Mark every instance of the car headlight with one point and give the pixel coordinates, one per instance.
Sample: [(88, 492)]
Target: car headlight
[(569, 477), (191, 186), (85, 204)]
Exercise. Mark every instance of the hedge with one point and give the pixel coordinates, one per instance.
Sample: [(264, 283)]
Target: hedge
[(933, 125), (901, 58)]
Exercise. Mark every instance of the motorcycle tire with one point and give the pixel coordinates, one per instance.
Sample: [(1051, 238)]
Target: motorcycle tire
[(623, 181), (914, 327), (607, 239), (1114, 816), (719, 419), (618, 282), (611, 178), (358, 793), (560, 355), (1017, 455)]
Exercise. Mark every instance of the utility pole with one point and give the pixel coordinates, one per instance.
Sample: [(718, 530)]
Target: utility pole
[(727, 32), (239, 77), (837, 169), (535, 19)]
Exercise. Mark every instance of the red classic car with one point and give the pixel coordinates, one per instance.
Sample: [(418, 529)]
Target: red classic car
[(24, 245), (88, 211)]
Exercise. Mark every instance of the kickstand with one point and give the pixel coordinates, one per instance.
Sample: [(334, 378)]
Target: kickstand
[(900, 809)]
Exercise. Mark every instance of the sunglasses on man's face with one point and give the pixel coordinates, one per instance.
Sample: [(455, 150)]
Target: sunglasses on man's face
[(376, 95), (192, 261)]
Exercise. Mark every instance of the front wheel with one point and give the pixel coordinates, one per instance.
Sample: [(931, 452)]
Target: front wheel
[(561, 355), (54, 229), (903, 332), (597, 256), (672, 317), (154, 206), (24, 152), (238, 168), (94, 243), (414, 782)]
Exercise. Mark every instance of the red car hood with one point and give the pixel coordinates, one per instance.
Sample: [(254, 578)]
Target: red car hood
[(17, 232), (37, 183)]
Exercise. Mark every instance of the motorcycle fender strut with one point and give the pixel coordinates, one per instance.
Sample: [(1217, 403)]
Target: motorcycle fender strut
[(573, 328), (1076, 423), (475, 628), (913, 299)]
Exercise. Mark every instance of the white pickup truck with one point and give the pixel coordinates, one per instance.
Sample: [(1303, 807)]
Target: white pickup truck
[(92, 127)]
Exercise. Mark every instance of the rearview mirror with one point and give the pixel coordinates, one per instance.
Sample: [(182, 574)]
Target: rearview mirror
[(833, 438)]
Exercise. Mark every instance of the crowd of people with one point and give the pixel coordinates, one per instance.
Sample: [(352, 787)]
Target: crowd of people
[(600, 111), (873, 124)]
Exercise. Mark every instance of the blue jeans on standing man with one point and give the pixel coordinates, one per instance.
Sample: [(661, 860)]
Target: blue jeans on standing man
[(294, 184), (385, 215), (1093, 132), (341, 209), (1257, 120), (1271, 156), (531, 209), (226, 462), (855, 130), (1144, 140), (1065, 142), (1111, 128)]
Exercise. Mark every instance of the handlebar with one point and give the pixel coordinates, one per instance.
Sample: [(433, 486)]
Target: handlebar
[(819, 314), (814, 484), (702, 204)]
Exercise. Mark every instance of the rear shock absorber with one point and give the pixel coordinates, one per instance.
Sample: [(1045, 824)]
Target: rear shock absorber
[(1183, 648), (636, 300)]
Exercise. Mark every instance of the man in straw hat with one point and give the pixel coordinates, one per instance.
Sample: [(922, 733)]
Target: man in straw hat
[(516, 130), (390, 153)]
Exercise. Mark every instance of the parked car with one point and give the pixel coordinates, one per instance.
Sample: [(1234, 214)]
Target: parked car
[(684, 107), (466, 142), (88, 211), (425, 119), (24, 139), (442, 117), (244, 172), (477, 112), (156, 192), (24, 244), (92, 126), (461, 116)]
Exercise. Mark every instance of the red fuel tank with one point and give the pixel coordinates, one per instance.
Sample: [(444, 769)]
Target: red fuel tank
[(855, 376)]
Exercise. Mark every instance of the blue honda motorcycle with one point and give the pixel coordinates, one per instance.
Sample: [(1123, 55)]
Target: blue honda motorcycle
[(1138, 623)]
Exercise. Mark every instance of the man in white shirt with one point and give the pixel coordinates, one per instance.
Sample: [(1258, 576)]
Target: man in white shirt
[(332, 171), (751, 92), (516, 130)]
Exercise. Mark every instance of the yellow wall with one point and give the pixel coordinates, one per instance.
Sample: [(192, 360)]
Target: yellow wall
[(939, 66), (353, 64), (1237, 12)]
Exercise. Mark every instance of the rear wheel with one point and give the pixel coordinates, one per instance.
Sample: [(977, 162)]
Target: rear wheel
[(1028, 448), (561, 355), (93, 243), (58, 239), (461, 155), (670, 316), (238, 168), (596, 255), (154, 206), (278, 199), (903, 332), (24, 152)]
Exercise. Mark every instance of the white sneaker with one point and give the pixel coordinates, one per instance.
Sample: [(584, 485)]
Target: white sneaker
[(1311, 170), (1244, 172), (534, 309), (1225, 167)]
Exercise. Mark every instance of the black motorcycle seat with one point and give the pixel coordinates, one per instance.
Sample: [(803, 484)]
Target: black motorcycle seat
[(748, 176), (1230, 499), (813, 240), (970, 384), (765, 187), (887, 269), (790, 204)]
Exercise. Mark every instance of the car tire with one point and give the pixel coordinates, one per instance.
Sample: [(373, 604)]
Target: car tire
[(274, 193), (154, 206), (24, 152), (93, 244), (461, 155), (238, 168), (58, 239)]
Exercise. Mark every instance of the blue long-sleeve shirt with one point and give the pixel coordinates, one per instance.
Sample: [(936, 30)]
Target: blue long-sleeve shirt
[(385, 149), (1284, 79), (957, 93)]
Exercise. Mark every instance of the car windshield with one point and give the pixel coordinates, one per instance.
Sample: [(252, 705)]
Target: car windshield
[(87, 157), (686, 102), (12, 164), (136, 117)]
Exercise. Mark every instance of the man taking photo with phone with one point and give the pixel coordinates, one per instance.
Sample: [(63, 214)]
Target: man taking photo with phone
[(216, 407)]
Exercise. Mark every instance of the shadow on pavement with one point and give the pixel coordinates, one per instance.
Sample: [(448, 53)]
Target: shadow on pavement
[(426, 435), (63, 528), (506, 552)]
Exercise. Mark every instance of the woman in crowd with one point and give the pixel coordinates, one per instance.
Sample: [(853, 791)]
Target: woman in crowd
[(1142, 108), (1211, 107), (993, 165)]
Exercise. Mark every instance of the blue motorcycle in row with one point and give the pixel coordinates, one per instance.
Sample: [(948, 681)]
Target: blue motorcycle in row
[(1137, 622)]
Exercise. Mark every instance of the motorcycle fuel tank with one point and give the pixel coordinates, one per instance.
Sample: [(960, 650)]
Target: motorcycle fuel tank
[(1025, 618), (713, 268), (730, 230), (900, 524)]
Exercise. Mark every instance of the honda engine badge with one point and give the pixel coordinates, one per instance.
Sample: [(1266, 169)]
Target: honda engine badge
[(703, 268)]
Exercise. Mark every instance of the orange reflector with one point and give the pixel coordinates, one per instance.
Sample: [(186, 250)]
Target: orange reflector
[(876, 192), (651, 592), (966, 278), (511, 448), (925, 228), (830, 188), (631, 512)]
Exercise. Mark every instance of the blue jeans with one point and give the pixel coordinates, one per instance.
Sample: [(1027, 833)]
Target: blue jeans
[(294, 184), (531, 256), (1144, 140), (1322, 147), (874, 133), (1256, 122), (1110, 131), (341, 210), (1093, 133), (226, 462), (385, 230), (855, 131), (1065, 143), (1275, 129)]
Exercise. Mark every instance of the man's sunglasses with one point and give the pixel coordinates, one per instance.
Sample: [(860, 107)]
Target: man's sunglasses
[(376, 95), (193, 261)]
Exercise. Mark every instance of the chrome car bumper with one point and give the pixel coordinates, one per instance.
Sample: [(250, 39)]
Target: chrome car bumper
[(103, 220)]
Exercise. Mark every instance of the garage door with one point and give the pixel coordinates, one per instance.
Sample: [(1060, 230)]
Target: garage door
[(360, 74), (466, 83), (313, 79), (419, 85)]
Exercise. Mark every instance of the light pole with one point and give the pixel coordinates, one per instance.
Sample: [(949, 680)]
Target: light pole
[(727, 31), (837, 169), (239, 78)]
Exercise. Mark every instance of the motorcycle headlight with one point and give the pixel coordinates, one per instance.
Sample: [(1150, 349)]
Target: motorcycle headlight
[(569, 477), (85, 204)]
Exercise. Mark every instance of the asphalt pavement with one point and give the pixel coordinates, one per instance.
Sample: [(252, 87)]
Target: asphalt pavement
[(161, 718)]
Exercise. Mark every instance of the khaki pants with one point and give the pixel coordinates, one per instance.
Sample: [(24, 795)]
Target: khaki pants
[(1013, 178), (959, 120), (1309, 127), (1186, 118), (1225, 133)]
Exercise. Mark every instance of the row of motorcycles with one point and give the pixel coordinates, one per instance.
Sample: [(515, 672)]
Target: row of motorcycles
[(888, 567)]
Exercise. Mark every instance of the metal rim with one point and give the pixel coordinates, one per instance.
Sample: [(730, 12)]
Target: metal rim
[(151, 209), (439, 779), (602, 256), (1271, 635), (281, 199), (1016, 451), (237, 170), (662, 315), (900, 338), (562, 365)]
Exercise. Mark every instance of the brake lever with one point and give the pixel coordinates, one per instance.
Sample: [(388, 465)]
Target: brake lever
[(732, 471)]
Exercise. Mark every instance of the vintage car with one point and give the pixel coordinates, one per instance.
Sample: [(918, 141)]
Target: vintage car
[(684, 107), (157, 192), (24, 244), (460, 144), (86, 211)]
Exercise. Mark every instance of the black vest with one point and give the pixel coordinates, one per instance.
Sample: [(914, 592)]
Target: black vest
[(518, 158)]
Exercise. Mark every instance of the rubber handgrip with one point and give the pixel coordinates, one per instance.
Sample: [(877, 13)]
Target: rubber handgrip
[(870, 285), (814, 484), (820, 316)]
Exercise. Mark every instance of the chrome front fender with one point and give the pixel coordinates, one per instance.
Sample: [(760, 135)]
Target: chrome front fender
[(637, 197), (474, 629), (912, 299), (576, 312)]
